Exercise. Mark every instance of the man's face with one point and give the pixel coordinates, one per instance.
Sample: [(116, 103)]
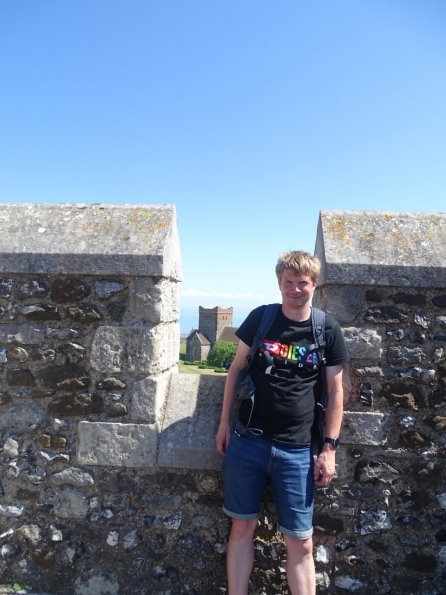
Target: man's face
[(296, 289)]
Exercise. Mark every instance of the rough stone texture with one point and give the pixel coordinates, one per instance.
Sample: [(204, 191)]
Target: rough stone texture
[(67, 377), (191, 422), (155, 300), (148, 398), (90, 239), (78, 404), (21, 333), (97, 582), (104, 524), (343, 303), (74, 477), (363, 342), (363, 428), (406, 355), (64, 291), (115, 444), (69, 504), (379, 248), (137, 350), (105, 289), (23, 417), (85, 313)]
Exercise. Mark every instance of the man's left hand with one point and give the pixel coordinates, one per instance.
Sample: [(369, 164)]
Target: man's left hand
[(324, 468)]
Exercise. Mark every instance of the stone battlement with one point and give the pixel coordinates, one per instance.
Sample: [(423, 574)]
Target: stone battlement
[(110, 481)]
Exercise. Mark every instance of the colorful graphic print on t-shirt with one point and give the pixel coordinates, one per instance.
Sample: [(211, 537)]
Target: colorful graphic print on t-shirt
[(298, 354)]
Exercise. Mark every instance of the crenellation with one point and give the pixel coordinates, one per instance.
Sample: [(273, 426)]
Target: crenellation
[(110, 481)]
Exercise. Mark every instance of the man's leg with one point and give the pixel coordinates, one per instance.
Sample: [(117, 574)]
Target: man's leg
[(240, 558), (300, 566)]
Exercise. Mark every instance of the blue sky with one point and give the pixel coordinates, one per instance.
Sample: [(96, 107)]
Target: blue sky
[(249, 116)]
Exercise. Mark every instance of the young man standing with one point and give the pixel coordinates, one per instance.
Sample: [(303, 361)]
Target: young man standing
[(278, 441)]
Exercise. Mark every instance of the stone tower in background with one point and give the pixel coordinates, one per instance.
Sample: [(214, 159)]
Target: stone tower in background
[(212, 321)]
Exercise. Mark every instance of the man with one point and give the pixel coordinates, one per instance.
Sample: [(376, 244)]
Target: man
[(278, 442)]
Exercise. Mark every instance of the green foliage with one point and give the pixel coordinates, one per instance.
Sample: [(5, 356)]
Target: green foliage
[(220, 370), (222, 352), (17, 587)]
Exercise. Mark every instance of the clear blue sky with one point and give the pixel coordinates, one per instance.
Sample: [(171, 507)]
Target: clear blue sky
[(249, 116)]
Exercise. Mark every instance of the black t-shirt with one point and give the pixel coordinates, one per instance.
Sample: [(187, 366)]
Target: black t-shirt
[(285, 398)]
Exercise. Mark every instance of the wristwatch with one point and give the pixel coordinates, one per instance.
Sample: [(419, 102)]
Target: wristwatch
[(333, 441)]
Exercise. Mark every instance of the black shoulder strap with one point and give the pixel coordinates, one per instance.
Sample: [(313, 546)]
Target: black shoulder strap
[(265, 324), (318, 325)]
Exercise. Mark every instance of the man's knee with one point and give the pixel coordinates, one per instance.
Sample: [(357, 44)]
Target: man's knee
[(302, 547), (243, 529)]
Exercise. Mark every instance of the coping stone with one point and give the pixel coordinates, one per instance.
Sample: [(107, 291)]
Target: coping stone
[(382, 248), (191, 422), (117, 444), (96, 239)]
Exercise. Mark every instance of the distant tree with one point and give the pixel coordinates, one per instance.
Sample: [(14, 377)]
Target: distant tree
[(222, 352)]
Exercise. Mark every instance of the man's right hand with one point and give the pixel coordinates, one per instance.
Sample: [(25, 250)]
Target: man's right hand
[(222, 438)]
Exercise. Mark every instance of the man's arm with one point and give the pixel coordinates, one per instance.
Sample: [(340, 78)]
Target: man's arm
[(223, 435), (325, 465)]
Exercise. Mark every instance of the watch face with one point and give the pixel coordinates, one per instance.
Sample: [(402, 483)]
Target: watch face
[(333, 441)]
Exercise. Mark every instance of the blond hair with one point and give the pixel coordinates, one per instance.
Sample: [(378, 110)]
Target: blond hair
[(302, 263)]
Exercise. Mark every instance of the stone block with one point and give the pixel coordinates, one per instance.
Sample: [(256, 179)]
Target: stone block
[(70, 504), (148, 398), (343, 303), (72, 476), (155, 300), (11, 511), (406, 355), (96, 582), (381, 249), (25, 334), (105, 289), (139, 240), (342, 464), (76, 404), (363, 428), (91, 239), (117, 445), (135, 350), (191, 422), (363, 342), (22, 417)]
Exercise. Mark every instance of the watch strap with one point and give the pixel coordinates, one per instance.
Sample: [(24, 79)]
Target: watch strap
[(333, 441)]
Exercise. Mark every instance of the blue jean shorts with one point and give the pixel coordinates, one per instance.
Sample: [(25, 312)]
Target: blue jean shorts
[(249, 461)]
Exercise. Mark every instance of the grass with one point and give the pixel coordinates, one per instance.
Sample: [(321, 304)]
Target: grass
[(182, 369)]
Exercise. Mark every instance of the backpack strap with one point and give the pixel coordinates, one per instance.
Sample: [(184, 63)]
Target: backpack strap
[(318, 326), (265, 324)]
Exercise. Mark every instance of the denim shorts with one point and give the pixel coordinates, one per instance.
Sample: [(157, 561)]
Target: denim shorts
[(249, 461)]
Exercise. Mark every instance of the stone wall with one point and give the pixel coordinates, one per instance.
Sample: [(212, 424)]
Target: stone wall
[(381, 525), (110, 481)]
